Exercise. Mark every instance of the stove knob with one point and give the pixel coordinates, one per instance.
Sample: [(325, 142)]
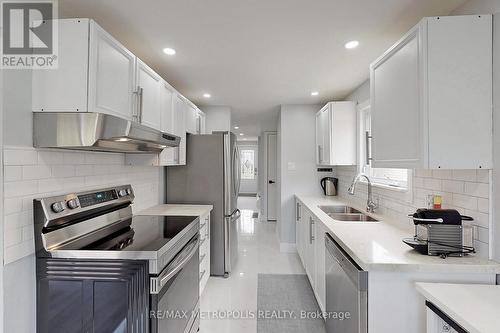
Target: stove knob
[(57, 207), (129, 191), (72, 204), (122, 192)]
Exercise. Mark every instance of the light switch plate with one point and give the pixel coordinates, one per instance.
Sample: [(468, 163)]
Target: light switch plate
[(291, 166)]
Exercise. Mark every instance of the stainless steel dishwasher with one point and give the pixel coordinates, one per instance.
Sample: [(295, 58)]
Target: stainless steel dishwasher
[(346, 292)]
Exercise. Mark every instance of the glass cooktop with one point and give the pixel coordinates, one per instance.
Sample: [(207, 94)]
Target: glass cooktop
[(146, 233)]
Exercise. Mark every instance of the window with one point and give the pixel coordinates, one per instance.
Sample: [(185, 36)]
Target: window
[(247, 164), (396, 178)]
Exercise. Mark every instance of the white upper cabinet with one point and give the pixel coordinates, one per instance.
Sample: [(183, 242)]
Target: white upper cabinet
[(191, 118), (149, 85), (336, 134), (200, 122), (111, 75), (166, 108), (95, 74), (431, 96)]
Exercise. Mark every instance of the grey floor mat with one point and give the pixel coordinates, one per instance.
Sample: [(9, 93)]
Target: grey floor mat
[(281, 302)]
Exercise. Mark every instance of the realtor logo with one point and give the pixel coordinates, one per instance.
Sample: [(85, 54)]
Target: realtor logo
[(29, 36)]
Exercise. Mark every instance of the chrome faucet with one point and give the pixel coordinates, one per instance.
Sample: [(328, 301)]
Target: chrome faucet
[(370, 204)]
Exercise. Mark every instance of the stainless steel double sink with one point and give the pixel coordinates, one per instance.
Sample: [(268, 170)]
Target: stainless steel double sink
[(346, 214)]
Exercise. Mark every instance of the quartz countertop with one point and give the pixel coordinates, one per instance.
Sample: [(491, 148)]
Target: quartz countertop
[(475, 307), (379, 245), (177, 209)]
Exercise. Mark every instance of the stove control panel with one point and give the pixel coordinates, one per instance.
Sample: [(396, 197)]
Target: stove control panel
[(94, 198)]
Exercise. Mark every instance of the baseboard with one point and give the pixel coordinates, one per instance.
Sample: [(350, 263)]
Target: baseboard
[(288, 248)]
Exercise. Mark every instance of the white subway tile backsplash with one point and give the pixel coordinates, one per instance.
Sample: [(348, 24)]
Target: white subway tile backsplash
[(50, 157), (20, 157), (483, 176), (483, 205), (477, 189), (424, 173), (13, 173), (465, 201), (31, 173), (74, 158), (13, 205), (442, 174), (12, 236), (63, 171), (466, 175), (467, 191), (432, 184), (453, 186), (20, 188)]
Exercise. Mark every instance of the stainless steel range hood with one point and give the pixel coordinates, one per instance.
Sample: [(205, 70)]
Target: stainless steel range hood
[(97, 132)]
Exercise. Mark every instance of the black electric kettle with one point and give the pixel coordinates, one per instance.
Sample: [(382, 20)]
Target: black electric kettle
[(329, 185)]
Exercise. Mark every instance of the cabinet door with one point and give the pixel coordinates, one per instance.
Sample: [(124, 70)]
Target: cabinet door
[(111, 75), (319, 251), (148, 87), (395, 105), (319, 138), (166, 108), (191, 119), (65, 89), (323, 136), (298, 229), (180, 128), (343, 133), (309, 252), (203, 121)]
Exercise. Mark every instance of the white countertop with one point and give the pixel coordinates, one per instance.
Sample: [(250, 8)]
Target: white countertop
[(379, 246), (475, 307), (177, 209)]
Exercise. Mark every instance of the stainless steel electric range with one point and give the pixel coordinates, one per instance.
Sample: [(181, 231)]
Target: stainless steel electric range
[(102, 269)]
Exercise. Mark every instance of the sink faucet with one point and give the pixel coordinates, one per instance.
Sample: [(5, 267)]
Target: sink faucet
[(370, 204)]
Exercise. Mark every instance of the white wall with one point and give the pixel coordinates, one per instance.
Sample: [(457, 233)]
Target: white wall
[(30, 173), (218, 118), (297, 166)]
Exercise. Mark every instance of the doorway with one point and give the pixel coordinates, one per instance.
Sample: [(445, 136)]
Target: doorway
[(249, 170)]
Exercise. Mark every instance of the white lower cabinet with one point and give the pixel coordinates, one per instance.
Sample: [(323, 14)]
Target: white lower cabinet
[(204, 250), (310, 235)]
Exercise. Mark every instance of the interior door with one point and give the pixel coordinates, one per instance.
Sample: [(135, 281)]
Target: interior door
[(272, 189)]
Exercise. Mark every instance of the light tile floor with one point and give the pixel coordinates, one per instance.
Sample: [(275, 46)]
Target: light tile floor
[(236, 296)]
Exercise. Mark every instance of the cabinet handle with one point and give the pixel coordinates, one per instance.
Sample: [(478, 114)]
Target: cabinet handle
[(298, 212), (368, 137), (320, 158), (311, 236), (140, 91)]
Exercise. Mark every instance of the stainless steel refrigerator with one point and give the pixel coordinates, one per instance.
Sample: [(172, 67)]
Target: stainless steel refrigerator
[(211, 176)]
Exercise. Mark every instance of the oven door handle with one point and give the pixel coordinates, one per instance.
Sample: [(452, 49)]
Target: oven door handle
[(179, 262)]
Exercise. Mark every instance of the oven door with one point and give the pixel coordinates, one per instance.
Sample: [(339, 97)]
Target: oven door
[(175, 308)]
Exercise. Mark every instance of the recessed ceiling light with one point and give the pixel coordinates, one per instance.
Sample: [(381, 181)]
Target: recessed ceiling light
[(206, 95), (314, 93), (241, 134), (169, 51), (352, 44), (236, 127)]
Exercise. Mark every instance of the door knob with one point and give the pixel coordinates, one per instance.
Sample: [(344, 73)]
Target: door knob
[(272, 182)]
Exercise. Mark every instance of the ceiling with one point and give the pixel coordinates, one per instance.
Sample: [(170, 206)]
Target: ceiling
[(254, 55)]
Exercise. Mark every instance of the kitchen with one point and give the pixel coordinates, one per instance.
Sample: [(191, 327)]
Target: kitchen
[(304, 126)]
